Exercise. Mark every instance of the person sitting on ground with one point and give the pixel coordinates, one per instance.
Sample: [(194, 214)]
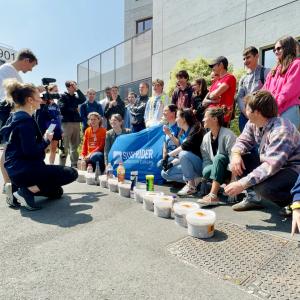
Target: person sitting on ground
[(25, 152), (90, 105), (215, 150), (222, 90), (131, 98), (296, 206), (171, 130), (155, 105), (273, 172), (187, 166), (116, 123), (94, 141), (114, 106), (283, 80), (199, 94), (137, 110), (182, 95)]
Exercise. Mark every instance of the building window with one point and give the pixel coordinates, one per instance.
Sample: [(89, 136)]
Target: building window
[(143, 25)]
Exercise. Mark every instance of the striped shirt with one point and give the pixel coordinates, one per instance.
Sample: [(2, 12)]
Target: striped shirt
[(279, 147)]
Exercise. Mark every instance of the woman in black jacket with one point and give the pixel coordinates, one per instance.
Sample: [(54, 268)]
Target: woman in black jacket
[(187, 164), (199, 93), (25, 152)]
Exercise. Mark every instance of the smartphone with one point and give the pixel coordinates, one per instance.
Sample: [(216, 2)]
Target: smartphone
[(51, 128)]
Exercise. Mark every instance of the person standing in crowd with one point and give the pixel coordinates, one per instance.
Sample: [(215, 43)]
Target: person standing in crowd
[(94, 141), (222, 91), (138, 109), (117, 129), (131, 98), (215, 150), (25, 152), (199, 93), (187, 163), (90, 105), (103, 103), (156, 103), (114, 106), (283, 80), (182, 95), (171, 131), (273, 172), (68, 104), (251, 82), (25, 62)]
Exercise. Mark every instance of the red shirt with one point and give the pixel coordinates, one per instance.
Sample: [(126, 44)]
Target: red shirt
[(227, 98), (93, 141)]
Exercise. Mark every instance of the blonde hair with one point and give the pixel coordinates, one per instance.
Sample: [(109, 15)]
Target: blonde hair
[(95, 114)]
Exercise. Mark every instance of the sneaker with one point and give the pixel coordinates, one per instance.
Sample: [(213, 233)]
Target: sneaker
[(197, 181), (187, 190), (10, 199), (286, 211), (210, 200), (245, 205), (26, 198)]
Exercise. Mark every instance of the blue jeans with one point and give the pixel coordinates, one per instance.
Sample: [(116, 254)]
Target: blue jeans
[(191, 165), (173, 174), (97, 156), (242, 122), (292, 114)]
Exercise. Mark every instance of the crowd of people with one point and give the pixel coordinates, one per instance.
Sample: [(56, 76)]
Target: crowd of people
[(199, 147)]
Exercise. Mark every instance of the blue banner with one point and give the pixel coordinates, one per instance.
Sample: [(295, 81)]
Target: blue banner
[(140, 152)]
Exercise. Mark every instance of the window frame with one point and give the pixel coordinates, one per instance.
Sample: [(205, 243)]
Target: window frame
[(143, 21)]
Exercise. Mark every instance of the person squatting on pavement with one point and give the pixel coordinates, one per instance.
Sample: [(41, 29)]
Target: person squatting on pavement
[(25, 152)]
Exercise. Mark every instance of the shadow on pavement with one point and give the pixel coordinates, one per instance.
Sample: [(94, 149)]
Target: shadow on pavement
[(62, 212)]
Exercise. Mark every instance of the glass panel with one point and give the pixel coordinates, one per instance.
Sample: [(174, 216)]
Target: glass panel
[(107, 68), (148, 24), (94, 73), (123, 63), (269, 58), (83, 73), (140, 27)]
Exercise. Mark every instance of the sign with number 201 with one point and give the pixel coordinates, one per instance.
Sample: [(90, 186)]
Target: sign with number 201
[(7, 55)]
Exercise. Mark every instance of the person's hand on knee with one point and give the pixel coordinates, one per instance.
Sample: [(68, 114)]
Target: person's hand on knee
[(296, 217)]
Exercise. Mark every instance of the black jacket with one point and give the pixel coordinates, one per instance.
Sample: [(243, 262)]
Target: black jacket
[(118, 109), (194, 140), (25, 144), (69, 106), (137, 110), (187, 93)]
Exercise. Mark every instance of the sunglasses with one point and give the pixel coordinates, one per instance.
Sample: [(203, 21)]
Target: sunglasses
[(277, 49)]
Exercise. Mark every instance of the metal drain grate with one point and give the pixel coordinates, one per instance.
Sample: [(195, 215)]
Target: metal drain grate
[(264, 265)]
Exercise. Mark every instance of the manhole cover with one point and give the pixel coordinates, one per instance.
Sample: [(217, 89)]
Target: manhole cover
[(263, 264)]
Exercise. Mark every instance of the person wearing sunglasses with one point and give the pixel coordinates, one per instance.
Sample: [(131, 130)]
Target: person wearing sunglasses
[(283, 80)]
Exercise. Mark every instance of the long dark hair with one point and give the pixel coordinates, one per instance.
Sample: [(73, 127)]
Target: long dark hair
[(203, 84), (189, 116)]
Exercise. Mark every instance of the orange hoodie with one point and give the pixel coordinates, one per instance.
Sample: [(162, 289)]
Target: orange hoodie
[(93, 142)]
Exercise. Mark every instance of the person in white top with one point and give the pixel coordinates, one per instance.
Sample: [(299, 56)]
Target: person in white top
[(103, 103), (25, 61)]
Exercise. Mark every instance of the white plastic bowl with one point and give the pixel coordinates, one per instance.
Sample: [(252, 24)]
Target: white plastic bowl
[(139, 191), (103, 181), (90, 178), (113, 185), (148, 199), (81, 176), (181, 209), (201, 223), (163, 206), (124, 189)]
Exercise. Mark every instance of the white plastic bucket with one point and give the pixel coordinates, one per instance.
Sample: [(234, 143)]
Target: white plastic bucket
[(163, 206), (181, 209), (103, 181), (90, 178), (139, 191), (124, 189), (113, 185), (201, 223), (148, 199), (81, 176)]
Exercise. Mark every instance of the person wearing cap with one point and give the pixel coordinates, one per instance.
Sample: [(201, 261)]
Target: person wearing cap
[(68, 104), (183, 93), (222, 91), (273, 171)]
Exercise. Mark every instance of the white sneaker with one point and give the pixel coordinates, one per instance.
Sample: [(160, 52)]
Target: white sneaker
[(187, 190)]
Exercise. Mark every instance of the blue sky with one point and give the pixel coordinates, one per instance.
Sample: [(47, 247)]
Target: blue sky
[(61, 33)]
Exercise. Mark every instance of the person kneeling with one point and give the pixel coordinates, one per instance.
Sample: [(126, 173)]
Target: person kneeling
[(25, 152), (94, 141), (273, 173), (215, 150)]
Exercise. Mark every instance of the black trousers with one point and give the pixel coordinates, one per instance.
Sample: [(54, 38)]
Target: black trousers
[(47, 177), (276, 188)]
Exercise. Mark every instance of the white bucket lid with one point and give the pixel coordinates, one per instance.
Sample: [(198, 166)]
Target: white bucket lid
[(163, 201), (184, 207), (103, 178), (113, 181), (81, 172), (124, 185), (201, 217), (89, 175)]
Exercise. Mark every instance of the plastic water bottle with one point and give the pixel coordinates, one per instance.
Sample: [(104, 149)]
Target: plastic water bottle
[(89, 168), (83, 165), (79, 164), (97, 173), (121, 172), (109, 171), (133, 178)]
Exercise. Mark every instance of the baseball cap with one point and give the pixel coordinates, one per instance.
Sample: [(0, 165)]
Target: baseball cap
[(220, 59)]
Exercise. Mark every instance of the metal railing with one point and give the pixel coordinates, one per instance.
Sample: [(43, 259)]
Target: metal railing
[(124, 63)]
